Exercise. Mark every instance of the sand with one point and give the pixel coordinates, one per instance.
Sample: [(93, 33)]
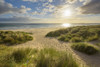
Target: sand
[(40, 41)]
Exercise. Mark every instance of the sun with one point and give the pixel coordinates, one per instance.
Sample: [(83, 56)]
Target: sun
[(67, 12), (66, 25)]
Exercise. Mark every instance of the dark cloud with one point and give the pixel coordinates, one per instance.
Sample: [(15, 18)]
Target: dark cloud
[(8, 8), (93, 7)]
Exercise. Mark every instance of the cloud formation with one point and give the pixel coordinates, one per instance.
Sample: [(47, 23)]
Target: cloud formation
[(8, 8), (47, 8), (71, 1), (38, 0), (92, 7)]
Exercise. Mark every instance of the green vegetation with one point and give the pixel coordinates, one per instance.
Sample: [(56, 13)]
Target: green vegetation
[(85, 48), (20, 55), (26, 57), (77, 34), (4, 54), (56, 33), (11, 38), (12, 58), (53, 58)]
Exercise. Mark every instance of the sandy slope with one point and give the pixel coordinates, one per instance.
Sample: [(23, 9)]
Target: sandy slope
[(41, 41)]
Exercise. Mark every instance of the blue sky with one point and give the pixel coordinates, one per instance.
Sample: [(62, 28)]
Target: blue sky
[(50, 11)]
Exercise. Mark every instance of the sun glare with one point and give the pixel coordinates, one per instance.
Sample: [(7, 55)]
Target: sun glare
[(66, 25), (67, 12)]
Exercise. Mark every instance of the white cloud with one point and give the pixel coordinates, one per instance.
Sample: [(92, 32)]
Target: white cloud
[(85, 1), (38, 0), (50, 0), (8, 8), (47, 7), (35, 13), (71, 1), (31, 0), (2, 1)]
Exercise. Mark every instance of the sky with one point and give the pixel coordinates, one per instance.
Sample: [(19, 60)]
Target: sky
[(50, 11)]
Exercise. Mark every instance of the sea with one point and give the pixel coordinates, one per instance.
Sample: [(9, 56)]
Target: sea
[(11, 26)]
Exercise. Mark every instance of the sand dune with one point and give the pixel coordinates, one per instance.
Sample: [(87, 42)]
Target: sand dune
[(40, 41)]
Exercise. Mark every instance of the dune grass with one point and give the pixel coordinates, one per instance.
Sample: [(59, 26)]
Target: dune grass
[(52, 58), (27, 57), (11, 38), (4, 54), (85, 48), (77, 34), (12, 58)]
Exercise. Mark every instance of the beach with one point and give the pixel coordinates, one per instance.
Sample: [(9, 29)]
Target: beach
[(40, 41)]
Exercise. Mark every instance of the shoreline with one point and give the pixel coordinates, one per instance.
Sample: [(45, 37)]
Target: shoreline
[(61, 25), (33, 28)]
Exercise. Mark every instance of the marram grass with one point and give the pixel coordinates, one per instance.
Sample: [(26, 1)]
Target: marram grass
[(85, 48), (47, 57), (77, 34), (12, 38)]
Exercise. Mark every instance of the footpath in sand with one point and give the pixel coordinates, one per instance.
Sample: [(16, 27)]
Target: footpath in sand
[(41, 41)]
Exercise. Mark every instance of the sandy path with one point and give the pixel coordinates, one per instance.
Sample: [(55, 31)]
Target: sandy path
[(41, 41)]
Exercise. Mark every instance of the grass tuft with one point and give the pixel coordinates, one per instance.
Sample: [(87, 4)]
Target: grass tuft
[(11, 38), (52, 58), (20, 55), (77, 34), (85, 48)]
